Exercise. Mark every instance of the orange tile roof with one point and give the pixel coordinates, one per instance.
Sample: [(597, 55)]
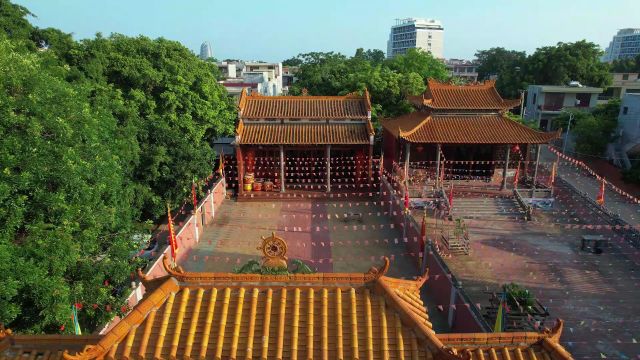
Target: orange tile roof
[(480, 96), (307, 133), (352, 106), (314, 316), (423, 127), (42, 347)]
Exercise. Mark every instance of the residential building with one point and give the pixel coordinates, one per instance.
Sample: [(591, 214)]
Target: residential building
[(425, 34), (465, 125), (261, 77), (463, 69), (545, 102), (628, 141), (288, 77), (294, 141), (623, 83), (625, 45), (205, 51)]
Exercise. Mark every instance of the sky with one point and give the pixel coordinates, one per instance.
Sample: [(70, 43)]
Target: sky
[(274, 30)]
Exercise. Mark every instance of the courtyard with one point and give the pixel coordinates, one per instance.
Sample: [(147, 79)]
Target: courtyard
[(329, 236), (596, 295)]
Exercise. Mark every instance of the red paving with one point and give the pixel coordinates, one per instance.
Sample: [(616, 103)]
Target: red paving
[(597, 295), (315, 232)]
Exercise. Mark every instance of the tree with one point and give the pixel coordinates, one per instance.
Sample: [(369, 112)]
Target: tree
[(170, 101), (592, 131), (13, 21), (507, 65), (374, 56), (65, 205), (420, 62), (294, 61), (565, 62), (626, 65)]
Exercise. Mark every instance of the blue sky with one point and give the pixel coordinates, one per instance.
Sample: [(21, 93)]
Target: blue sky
[(274, 30)]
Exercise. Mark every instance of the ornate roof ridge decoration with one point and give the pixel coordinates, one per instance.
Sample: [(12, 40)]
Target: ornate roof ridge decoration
[(477, 95), (481, 128), (350, 106), (199, 278)]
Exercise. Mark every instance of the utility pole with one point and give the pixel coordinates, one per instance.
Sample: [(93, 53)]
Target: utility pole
[(566, 136)]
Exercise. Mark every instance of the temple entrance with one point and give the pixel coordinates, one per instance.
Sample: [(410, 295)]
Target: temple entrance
[(305, 169), (468, 162)]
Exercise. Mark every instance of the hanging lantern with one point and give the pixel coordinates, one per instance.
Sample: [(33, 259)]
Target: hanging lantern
[(515, 148)]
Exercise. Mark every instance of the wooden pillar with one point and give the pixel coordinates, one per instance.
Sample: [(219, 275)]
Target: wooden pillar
[(535, 169), (506, 167), (327, 155), (240, 163), (438, 151), (282, 179), (407, 149)]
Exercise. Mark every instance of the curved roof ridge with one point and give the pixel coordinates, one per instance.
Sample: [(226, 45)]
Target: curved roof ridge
[(320, 278)]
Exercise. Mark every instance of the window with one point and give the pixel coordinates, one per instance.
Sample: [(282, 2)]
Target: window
[(583, 100), (535, 99), (625, 76), (625, 110)]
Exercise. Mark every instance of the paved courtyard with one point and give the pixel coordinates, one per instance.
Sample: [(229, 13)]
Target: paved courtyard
[(597, 295), (315, 231)]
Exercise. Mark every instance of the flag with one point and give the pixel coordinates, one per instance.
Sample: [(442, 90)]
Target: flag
[(172, 237), (423, 230), (451, 197), (517, 176), (76, 323), (600, 197), (554, 169), (221, 165), (499, 325), (406, 199), (194, 196)]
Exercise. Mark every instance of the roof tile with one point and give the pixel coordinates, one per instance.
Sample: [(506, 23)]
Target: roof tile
[(422, 127), (480, 96), (261, 133)]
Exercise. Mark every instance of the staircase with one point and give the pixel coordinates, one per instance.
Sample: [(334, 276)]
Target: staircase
[(486, 208)]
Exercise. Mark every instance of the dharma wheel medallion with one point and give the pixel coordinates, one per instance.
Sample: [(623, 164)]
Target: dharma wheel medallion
[(274, 249)]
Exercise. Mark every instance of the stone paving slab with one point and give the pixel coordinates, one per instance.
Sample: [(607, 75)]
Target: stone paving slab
[(315, 231), (597, 295)]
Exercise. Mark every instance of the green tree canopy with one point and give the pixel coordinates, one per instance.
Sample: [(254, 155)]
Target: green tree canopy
[(170, 100), (65, 205), (549, 65), (96, 137), (388, 81)]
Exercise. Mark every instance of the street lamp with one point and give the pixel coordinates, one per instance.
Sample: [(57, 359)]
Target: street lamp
[(566, 136)]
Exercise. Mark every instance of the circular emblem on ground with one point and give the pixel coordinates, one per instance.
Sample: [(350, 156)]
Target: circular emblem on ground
[(274, 249)]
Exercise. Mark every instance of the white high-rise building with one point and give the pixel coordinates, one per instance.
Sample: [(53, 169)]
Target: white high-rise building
[(205, 51), (625, 45), (425, 34)]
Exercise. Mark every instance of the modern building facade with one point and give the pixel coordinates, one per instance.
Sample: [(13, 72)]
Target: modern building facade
[(206, 51), (545, 102), (628, 143), (413, 33), (463, 69), (259, 77), (625, 45)]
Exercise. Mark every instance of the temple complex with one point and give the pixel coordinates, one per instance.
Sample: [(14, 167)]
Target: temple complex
[(308, 143), (464, 125), (313, 316)]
